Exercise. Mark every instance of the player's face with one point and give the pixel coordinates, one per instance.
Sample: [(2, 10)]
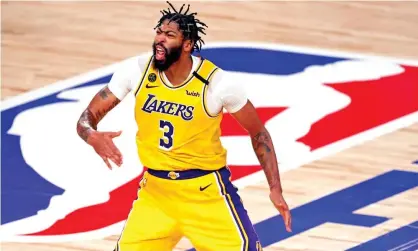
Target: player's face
[(168, 45)]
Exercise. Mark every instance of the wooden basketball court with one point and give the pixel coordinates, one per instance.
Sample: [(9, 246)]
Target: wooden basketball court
[(45, 42)]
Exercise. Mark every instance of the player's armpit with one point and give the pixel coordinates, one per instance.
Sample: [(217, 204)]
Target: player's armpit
[(103, 102), (262, 143)]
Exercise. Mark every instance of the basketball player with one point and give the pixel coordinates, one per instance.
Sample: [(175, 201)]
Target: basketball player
[(186, 190)]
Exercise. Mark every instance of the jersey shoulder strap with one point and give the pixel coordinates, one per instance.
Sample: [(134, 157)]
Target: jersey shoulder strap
[(205, 71)]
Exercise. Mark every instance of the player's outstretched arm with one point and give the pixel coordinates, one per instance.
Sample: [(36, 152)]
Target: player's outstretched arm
[(99, 106), (263, 147)]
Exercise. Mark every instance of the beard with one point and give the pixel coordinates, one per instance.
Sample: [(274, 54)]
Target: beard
[(170, 57)]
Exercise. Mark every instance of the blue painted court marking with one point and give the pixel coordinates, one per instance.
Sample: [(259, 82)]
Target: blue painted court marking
[(404, 238), (338, 207)]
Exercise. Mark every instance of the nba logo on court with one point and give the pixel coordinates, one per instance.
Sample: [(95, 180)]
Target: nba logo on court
[(314, 103)]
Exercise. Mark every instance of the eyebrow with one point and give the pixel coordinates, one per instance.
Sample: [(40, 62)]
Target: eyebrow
[(172, 31)]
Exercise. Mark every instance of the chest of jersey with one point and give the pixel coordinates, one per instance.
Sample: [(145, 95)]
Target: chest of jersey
[(174, 129), (180, 104), (182, 107)]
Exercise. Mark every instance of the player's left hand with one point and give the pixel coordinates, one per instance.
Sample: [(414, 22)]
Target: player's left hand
[(277, 198)]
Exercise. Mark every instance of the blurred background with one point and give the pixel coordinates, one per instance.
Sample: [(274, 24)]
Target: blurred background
[(44, 42)]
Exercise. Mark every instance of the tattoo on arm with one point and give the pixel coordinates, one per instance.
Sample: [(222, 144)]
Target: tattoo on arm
[(103, 93), (264, 150), (86, 124), (261, 147), (89, 120)]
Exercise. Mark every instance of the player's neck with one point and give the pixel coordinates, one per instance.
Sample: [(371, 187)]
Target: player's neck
[(180, 70)]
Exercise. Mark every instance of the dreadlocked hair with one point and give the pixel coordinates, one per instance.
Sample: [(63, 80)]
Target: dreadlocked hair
[(188, 24)]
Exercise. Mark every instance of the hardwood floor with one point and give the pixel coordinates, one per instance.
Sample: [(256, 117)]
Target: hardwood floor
[(46, 42)]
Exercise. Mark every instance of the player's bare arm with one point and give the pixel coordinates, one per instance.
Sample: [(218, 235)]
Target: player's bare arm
[(103, 102), (264, 149)]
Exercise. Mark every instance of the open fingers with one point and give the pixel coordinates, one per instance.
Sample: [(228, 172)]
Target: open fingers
[(288, 221), (287, 217), (107, 162), (114, 134), (115, 154), (109, 150), (115, 159)]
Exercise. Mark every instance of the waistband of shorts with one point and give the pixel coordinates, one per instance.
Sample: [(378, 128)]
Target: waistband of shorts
[(182, 175)]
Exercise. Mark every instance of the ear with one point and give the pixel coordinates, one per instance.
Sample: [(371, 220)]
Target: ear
[(188, 45)]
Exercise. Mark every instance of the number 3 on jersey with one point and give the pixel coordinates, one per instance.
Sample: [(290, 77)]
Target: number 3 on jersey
[(166, 142)]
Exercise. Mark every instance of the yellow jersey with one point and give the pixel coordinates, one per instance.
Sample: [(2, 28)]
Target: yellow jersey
[(175, 130)]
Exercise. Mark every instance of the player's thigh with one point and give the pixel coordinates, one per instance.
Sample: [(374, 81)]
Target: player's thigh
[(148, 227), (222, 223), (223, 227)]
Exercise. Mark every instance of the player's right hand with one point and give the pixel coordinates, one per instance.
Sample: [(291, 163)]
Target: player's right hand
[(102, 142), (277, 198)]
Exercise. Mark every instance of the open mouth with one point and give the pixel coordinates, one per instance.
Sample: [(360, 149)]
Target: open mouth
[(160, 52)]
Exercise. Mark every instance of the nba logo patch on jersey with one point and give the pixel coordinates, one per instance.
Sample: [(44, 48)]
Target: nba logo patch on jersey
[(152, 77), (314, 103)]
